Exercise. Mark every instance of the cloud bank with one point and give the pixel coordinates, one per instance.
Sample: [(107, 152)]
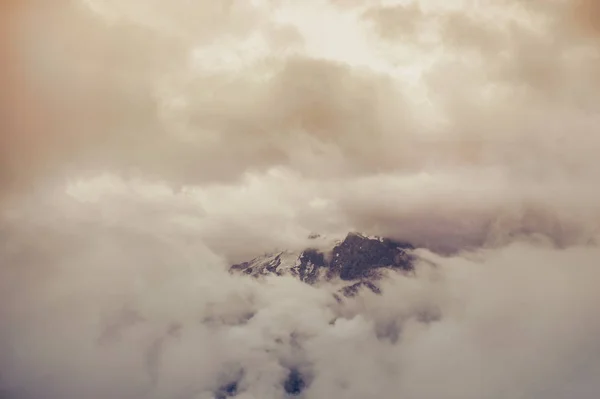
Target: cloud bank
[(145, 146)]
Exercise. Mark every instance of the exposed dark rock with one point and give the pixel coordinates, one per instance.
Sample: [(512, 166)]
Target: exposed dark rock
[(311, 261), (228, 382), (295, 383), (357, 257), (247, 267), (268, 264), (242, 267), (227, 390), (352, 290)]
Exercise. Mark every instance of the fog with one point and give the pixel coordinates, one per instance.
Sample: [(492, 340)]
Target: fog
[(147, 145)]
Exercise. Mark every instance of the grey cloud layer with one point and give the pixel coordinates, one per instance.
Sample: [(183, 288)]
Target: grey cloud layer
[(120, 297)]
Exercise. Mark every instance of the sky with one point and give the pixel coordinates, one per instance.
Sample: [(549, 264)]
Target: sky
[(147, 145)]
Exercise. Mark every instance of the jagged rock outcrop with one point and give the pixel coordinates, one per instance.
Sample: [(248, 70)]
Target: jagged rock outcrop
[(352, 290), (357, 258)]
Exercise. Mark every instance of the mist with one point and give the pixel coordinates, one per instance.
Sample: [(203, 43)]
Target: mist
[(147, 145)]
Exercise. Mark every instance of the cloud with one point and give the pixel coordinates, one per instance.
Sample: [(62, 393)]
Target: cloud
[(586, 16), (156, 91), (148, 146), (106, 299)]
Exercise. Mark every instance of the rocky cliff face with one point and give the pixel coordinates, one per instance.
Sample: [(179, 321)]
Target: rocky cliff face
[(358, 259)]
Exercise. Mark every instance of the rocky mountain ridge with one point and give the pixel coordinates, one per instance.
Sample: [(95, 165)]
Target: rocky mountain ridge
[(358, 260)]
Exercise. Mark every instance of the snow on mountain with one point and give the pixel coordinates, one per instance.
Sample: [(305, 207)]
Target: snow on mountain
[(358, 259)]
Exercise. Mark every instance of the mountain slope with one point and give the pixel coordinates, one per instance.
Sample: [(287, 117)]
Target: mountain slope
[(358, 259)]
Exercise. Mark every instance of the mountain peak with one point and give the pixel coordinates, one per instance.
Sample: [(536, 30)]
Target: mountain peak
[(358, 258)]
